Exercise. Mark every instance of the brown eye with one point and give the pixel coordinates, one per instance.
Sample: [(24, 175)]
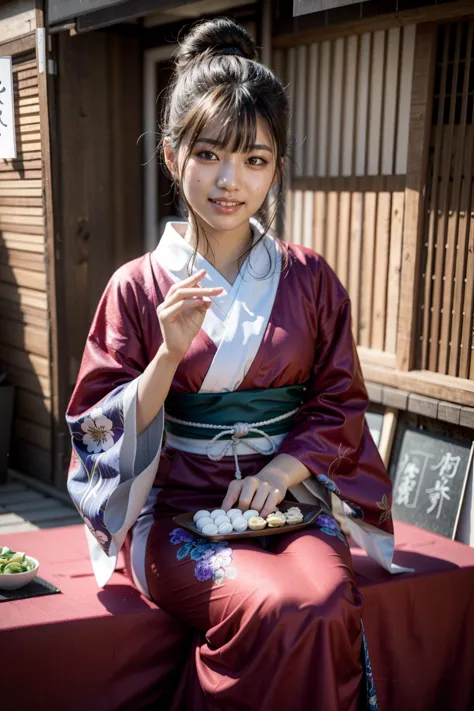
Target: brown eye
[(256, 160)]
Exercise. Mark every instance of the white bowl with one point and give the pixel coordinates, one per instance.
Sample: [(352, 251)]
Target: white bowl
[(14, 581)]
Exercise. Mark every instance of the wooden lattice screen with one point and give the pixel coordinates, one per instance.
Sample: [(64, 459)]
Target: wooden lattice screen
[(447, 298), (350, 105)]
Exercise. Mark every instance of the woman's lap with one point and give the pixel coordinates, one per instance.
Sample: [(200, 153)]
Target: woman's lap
[(293, 609)]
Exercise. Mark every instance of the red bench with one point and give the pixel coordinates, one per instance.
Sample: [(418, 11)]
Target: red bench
[(114, 650)]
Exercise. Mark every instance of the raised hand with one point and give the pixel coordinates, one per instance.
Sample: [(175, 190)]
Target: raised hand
[(182, 313)]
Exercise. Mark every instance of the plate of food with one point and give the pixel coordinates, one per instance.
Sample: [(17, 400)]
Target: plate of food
[(218, 525), (16, 569)]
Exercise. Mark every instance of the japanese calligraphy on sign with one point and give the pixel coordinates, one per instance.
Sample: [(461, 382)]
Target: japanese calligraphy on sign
[(7, 113), (429, 474)]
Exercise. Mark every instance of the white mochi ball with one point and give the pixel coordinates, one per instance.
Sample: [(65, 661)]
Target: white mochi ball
[(217, 512), (210, 529), (200, 514), (221, 519), (250, 514), (226, 527), (203, 522), (234, 512), (239, 524)]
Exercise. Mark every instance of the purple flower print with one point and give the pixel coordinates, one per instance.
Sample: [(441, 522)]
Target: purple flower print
[(327, 522), (180, 535), (203, 570)]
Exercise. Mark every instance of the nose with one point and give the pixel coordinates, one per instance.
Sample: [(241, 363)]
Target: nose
[(227, 178)]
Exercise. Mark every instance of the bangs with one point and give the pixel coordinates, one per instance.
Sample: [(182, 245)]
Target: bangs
[(234, 111)]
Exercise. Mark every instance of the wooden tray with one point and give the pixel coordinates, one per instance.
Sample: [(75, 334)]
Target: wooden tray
[(309, 512)]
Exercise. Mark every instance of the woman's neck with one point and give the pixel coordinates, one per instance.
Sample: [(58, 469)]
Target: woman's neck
[(225, 248)]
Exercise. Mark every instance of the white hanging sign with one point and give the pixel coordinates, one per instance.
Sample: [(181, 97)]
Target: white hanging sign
[(7, 112)]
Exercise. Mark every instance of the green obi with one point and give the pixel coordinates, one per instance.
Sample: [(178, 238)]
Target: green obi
[(228, 408)]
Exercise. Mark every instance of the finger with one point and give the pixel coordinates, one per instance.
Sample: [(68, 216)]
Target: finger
[(181, 307), (193, 279), (260, 496), (273, 499), (248, 490), (190, 293), (233, 493)]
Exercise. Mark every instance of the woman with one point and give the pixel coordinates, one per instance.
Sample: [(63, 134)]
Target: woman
[(225, 325)]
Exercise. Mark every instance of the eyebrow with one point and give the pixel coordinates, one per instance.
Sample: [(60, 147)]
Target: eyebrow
[(214, 142)]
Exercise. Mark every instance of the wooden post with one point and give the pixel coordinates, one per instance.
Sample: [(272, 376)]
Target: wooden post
[(53, 262), (418, 145)]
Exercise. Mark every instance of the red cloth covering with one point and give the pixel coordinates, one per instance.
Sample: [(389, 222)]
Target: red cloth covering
[(114, 650), (87, 648)]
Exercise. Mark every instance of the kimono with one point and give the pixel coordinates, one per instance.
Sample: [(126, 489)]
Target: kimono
[(280, 622)]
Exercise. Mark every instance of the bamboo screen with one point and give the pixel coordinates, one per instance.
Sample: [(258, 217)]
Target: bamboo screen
[(447, 309), (350, 101)]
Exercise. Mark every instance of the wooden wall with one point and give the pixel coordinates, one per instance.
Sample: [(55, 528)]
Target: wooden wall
[(350, 103), (24, 305)]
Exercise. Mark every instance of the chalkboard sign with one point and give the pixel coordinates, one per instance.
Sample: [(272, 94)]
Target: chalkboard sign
[(375, 422), (429, 474)]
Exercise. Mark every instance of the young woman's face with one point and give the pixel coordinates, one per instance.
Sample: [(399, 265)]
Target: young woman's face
[(225, 189)]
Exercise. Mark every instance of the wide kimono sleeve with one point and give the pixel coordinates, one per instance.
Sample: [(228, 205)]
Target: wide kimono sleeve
[(330, 434), (112, 470)]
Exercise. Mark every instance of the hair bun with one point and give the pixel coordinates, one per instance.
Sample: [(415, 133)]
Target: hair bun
[(221, 36)]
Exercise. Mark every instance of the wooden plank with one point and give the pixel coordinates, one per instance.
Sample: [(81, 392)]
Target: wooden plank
[(350, 93), (24, 296), (463, 321), (21, 201), (376, 103), (324, 103), (394, 269), (368, 259), (319, 222), (382, 250), (29, 381), (22, 223), (453, 254), (23, 277), (344, 256), (29, 64), (387, 435), (24, 314), (332, 219), (357, 220), (437, 346), (23, 260), (420, 122), (404, 100), (313, 108), (390, 101), (29, 362), (432, 225), (19, 191), (29, 338), (423, 382), (27, 43), (297, 230), (300, 107), (308, 219), (383, 21), (17, 211), (336, 107), (16, 175), (363, 103)]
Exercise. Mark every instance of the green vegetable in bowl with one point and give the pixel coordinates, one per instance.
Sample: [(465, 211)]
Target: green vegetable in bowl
[(13, 562)]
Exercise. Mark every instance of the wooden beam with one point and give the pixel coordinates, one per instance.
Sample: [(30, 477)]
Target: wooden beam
[(53, 263), (431, 13), (423, 382), (418, 148)]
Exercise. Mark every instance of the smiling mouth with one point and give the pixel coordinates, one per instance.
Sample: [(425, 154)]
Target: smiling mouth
[(226, 203)]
